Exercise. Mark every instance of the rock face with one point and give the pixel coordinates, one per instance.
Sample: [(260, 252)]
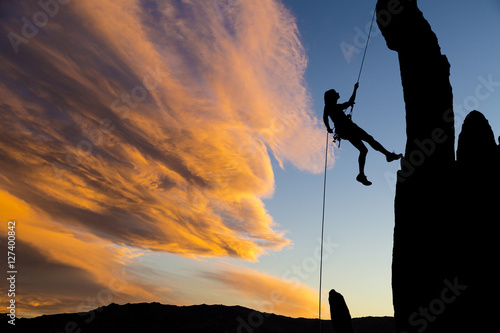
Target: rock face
[(443, 255)]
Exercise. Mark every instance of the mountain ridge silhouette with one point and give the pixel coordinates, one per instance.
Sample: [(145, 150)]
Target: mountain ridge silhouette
[(156, 317)]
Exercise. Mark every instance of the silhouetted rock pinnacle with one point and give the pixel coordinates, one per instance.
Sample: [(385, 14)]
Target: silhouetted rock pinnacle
[(341, 317), (444, 253)]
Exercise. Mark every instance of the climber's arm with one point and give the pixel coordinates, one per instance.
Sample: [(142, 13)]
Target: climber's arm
[(346, 104), (326, 121), (351, 100), (353, 97)]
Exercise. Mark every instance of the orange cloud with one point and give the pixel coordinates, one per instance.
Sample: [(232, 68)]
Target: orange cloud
[(60, 268), (150, 126), (158, 119), (270, 294)]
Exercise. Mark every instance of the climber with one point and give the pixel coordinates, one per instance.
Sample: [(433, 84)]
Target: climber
[(346, 129)]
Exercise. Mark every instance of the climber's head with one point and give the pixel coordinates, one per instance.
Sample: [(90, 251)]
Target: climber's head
[(331, 96)]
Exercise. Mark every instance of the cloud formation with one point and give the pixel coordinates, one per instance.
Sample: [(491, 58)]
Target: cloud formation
[(150, 125), (271, 294)]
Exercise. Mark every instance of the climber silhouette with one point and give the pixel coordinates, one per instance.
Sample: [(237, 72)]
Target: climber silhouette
[(346, 129)]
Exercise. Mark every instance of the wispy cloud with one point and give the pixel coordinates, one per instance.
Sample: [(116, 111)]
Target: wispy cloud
[(150, 125), (267, 293)]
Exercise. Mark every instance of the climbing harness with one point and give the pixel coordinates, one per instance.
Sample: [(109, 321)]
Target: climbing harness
[(336, 139)]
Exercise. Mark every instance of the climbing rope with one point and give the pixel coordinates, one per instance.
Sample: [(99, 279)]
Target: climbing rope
[(322, 231), (336, 139), (364, 53)]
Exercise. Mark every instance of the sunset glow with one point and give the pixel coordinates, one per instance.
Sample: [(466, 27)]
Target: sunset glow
[(148, 126)]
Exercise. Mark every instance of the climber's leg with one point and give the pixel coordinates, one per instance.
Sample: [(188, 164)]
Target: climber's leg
[(363, 151), (377, 146)]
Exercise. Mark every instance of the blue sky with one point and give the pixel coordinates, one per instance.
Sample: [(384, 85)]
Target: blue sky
[(360, 219)]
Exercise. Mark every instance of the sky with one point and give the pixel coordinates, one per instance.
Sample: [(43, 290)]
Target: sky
[(173, 151)]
